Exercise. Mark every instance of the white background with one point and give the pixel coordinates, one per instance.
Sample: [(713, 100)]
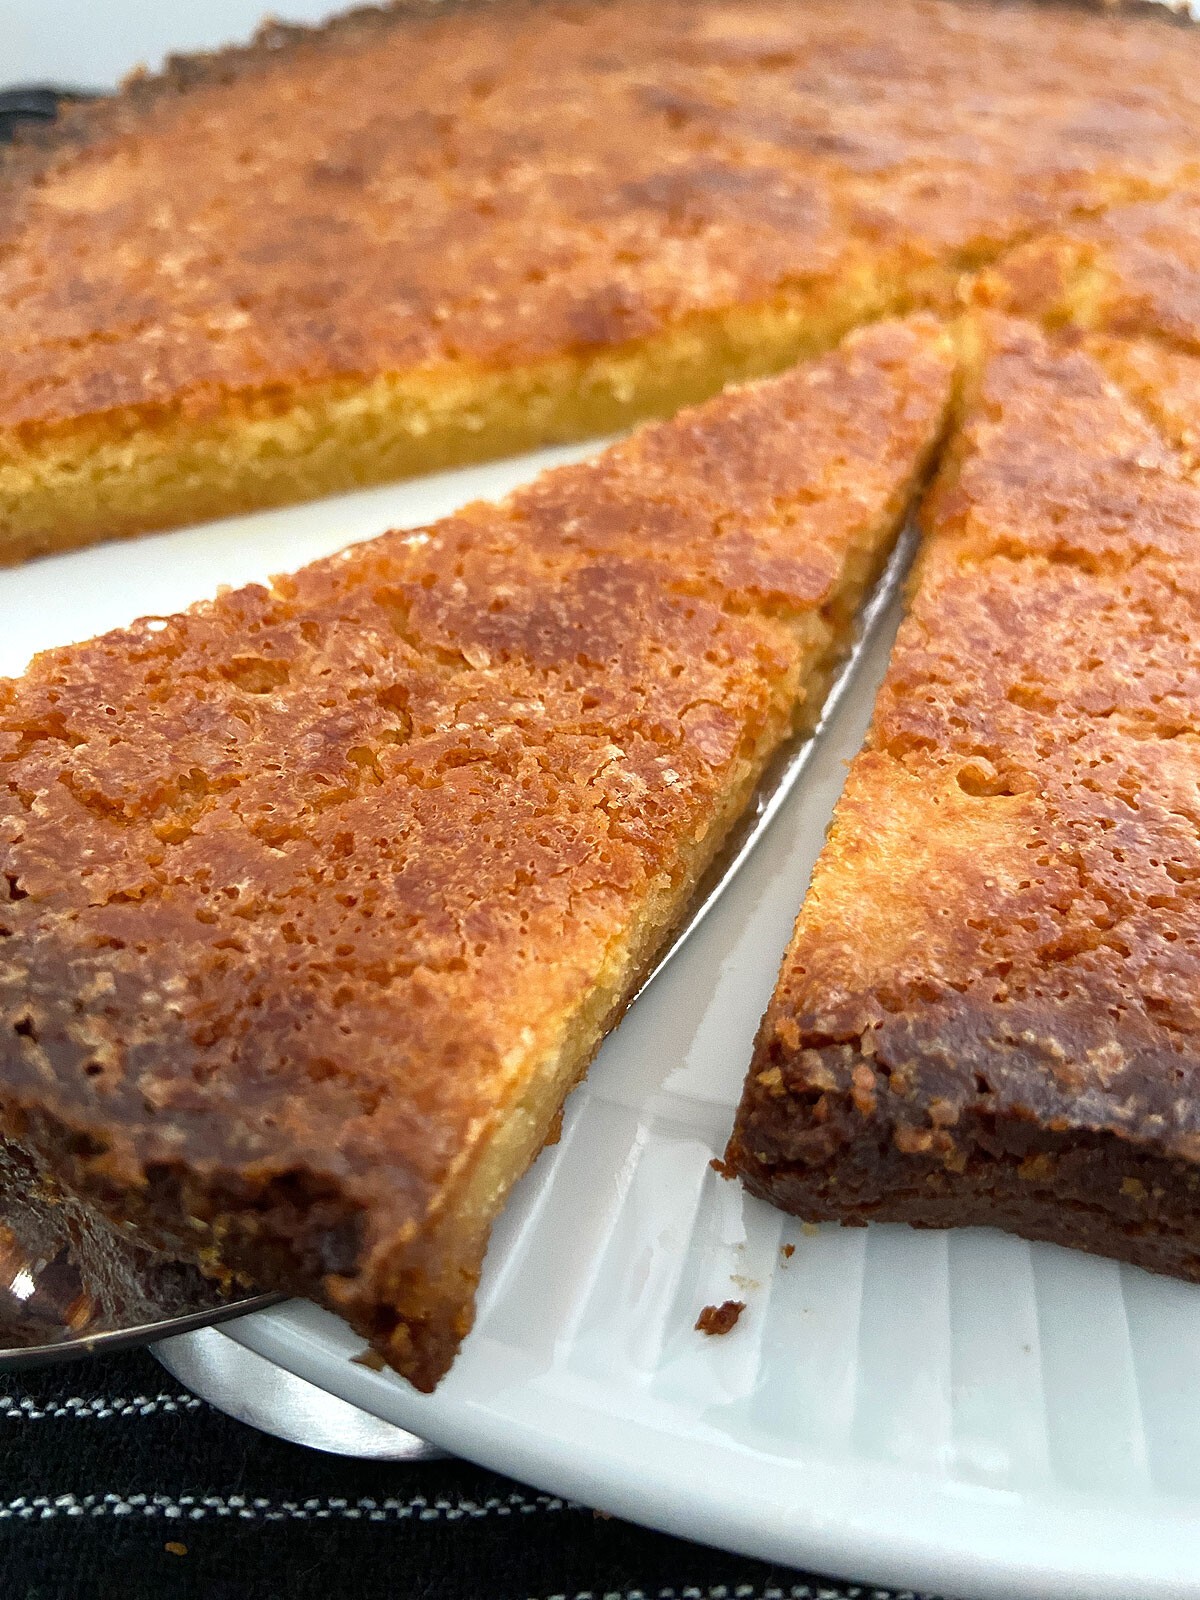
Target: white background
[(91, 44)]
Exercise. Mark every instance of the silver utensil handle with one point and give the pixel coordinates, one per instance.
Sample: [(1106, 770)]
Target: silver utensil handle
[(254, 1390)]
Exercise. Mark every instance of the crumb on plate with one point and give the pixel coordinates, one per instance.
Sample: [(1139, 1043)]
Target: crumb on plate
[(720, 1319)]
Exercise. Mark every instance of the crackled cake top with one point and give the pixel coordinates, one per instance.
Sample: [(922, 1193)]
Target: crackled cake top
[(1006, 912), (305, 879), (1133, 272), (1128, 283), (506, 182)]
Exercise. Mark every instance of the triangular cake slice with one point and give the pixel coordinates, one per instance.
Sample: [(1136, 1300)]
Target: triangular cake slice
[(316, 900), (989, 1009), (427, 234)]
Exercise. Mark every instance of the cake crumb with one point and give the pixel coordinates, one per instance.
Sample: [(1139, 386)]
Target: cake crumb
[(722, 1168), (369, 1358), (173, 1547), (720, 1319), (787, 1251)]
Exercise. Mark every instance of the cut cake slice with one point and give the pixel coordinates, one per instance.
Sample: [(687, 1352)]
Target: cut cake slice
[(317, 899), (428, 234), (989, 1009)]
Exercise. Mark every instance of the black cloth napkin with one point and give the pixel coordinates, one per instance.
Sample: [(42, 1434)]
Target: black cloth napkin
[(114, 1481)]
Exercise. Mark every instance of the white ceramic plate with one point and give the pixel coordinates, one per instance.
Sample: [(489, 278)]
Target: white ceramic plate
[(966, 1414)]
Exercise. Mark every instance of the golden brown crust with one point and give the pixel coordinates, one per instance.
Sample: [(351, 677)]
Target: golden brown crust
[(79, 124), (1128, 283), (315, 899), (302, 217), (1132, 272), (418, 226), (988, 1010)]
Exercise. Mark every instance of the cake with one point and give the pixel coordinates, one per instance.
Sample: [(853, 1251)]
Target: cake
[(429, 234), (316, 900), (988, 1012), (1127, 284)]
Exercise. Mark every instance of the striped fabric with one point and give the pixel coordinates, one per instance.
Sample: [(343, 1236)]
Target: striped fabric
[(113, 1480)]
